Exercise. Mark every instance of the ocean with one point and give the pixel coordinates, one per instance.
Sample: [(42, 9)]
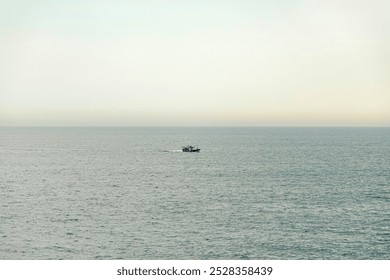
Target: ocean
[(251, 193)]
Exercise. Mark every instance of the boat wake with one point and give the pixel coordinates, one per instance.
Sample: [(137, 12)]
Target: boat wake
[(170, 151)]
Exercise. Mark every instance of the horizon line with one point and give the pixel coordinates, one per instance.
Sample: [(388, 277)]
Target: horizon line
[(195, 126)]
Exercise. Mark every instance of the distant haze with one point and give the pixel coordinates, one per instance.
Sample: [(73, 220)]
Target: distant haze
[(154, 62)]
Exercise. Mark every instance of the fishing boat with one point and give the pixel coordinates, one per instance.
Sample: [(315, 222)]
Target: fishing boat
[(190, 149)]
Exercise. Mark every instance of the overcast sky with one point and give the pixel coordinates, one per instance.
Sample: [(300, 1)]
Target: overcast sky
[(214, 62)]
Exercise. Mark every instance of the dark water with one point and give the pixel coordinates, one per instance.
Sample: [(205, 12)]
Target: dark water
[(251, 193)]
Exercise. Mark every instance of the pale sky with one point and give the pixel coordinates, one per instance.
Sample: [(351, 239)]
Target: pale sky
[(184, 62)]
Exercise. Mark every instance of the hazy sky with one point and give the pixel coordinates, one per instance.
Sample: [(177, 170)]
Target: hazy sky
[(214, 62)]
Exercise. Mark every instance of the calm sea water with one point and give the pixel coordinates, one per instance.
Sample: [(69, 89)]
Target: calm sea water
[(251, 193)]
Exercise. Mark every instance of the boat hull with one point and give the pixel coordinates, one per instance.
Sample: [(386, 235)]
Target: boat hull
[(185, 150)]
